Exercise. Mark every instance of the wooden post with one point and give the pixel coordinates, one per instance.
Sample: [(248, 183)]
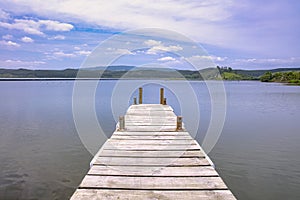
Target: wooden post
[(140, 95), (165, 101), (134, 101), (179, 123), (161, 95), (121, 123)]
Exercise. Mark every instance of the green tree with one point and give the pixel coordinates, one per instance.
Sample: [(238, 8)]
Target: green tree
[(267, 77)]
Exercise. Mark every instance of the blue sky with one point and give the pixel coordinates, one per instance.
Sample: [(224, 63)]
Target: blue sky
[(55, 34)]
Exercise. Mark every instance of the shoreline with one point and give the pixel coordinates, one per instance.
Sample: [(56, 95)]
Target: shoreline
[(95, 79)]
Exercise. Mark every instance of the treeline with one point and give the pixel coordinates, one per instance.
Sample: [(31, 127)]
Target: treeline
[(284, 75), (292, 77), (27, 73), (227, 73)]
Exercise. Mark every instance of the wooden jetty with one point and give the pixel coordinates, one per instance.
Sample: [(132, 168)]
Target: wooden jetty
[(151, 156)]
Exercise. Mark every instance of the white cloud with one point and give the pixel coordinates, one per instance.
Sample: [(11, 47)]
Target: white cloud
[(209, 57), (162, 48), (84, 53), (28, 26), (11, 63), (198, 19), (158, 46), (9, 43), (168, 58), (35, 27), (119, 51), (57, 37), (77, 48), (55, 25), (220, 23), (27, 39), (267, 62), (60, 54), (7, 37), (24, 62), (205, 61), (152, 43)]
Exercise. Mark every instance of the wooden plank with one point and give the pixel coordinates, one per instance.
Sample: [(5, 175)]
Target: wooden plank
[(151, 128), (151, 137), (161, 114), (147, 143), (152, 171), (150, 133), (151, 142), (152, 147), (152, 183), (151, 154), (150, 123), (148, 118), (135, 161), (139, 117), (138, 108), (150, 107), (94, 194), (156, 147)]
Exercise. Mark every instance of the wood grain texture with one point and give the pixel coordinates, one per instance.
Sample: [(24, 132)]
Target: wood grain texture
[(93, 194), (151, 154), (114, 141), (152, 171), (152, 183), (152, 137), (138, 161), (156, 147), (150, 133)]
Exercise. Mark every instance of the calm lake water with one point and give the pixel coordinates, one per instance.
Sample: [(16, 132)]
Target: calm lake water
[(42, 157)]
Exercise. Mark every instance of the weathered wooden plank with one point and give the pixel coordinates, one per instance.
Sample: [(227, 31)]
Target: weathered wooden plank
[(151, 133), (151, 128), (150, 107), (150, 117), (151, 154), (152, 171), (147, 108), (151, 142), (161, 114), (138, 108), (156, 147), (94, 194), (147, 143), (135, 161), (151, 137), (150, 123), (150, 120), (152, 183), (147, 118)]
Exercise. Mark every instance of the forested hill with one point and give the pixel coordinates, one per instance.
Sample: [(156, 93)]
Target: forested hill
[(130, 72)]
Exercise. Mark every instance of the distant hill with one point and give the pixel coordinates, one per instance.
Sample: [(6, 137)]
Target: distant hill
[(131, 72), (258, 73), (112, 68)]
